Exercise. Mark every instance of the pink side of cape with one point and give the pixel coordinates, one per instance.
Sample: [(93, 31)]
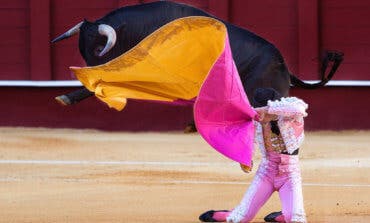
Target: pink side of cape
[(223, 114)]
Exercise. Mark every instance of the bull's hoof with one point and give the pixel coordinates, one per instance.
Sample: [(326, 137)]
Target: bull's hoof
[(190, 129), (63, 100), (273, 217)]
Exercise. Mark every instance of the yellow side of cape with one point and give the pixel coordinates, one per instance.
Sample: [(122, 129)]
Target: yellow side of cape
[(169, 64)]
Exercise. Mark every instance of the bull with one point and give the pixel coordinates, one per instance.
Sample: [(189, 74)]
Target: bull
[(259, 62)]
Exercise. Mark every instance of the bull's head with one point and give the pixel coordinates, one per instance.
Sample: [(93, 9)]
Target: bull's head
[(95, 40)]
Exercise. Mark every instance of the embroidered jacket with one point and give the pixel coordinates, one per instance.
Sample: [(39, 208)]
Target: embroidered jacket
[(290, 112)]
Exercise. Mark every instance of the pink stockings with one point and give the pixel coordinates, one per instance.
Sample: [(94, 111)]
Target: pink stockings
[(277, 172)]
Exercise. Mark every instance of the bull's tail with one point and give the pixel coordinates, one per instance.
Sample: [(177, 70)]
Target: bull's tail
[(330, 57)]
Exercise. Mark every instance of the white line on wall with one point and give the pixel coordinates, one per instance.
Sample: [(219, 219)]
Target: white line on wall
[(75, 83)]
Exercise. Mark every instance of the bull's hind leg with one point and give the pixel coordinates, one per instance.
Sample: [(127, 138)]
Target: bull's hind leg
[(74, 96), (190, 128)]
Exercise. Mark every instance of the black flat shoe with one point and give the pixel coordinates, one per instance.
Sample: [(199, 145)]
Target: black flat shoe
[(272, 216), (208, 216)]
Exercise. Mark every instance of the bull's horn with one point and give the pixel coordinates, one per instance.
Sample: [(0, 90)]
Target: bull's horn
[(109, 32), (74, 30)]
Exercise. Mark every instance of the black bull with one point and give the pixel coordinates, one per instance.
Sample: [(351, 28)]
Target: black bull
[(260, 64)]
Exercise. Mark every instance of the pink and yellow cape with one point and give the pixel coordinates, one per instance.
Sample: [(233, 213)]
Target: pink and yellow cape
[(185, 59)]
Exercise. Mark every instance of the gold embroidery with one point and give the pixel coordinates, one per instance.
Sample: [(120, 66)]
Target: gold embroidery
[(272, 141)]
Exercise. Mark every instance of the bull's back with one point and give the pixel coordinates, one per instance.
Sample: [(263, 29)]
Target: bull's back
[(134, 23), (139, 21), (146, 18)]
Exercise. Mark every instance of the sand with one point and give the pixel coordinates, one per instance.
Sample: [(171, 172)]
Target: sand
[(65, 175)]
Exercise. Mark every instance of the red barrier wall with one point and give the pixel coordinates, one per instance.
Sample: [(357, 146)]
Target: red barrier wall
[(331, 108)]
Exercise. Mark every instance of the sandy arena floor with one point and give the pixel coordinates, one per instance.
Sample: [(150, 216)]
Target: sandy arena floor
[(60, 175)]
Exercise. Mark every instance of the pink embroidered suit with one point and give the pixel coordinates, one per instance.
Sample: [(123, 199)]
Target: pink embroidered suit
[(279, 168)]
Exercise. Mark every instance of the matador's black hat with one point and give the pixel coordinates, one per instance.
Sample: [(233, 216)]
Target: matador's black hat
[(262, 95)]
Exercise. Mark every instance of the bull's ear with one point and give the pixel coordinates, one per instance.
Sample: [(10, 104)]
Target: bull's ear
[(87, 21)]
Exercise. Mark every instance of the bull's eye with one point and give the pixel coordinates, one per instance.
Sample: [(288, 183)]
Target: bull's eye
[(98, 50)]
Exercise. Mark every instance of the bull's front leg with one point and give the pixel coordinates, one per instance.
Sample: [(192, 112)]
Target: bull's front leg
[(74, 97), (81, 94)]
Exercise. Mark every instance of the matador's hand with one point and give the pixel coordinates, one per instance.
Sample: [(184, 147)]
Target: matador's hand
[(261, 112)]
